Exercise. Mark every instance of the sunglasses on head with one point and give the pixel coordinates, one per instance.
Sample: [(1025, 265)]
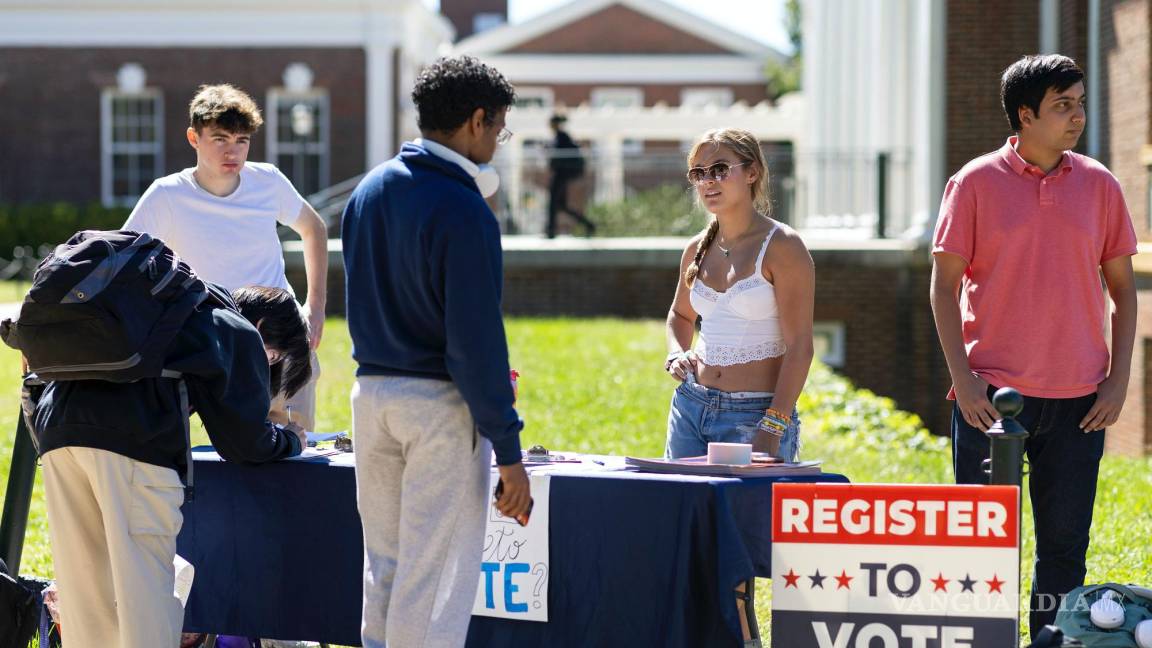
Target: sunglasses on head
[(717, 172)]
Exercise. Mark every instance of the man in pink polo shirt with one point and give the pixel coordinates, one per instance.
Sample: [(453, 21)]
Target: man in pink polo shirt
[(1023, 237)]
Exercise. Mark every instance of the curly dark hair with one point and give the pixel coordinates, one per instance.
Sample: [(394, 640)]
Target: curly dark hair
[(1026, 81), (276, 315), (451, 89)]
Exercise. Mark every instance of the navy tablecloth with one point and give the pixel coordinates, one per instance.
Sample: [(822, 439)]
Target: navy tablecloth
[(636, 559)]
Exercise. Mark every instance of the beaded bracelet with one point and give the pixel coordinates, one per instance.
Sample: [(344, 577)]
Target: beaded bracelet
[(774, 422)]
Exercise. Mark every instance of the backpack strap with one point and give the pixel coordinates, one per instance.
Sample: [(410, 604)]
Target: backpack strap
[(182, 387)]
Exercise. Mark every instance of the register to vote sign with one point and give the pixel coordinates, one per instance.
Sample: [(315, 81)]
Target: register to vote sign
[(894, 566), (514, 570)]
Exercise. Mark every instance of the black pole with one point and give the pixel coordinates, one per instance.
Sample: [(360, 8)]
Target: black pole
[(1007, 437), (18, 499), (881, 194)]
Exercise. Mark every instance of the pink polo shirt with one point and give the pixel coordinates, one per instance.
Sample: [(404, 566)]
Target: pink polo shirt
[(1033, 305)]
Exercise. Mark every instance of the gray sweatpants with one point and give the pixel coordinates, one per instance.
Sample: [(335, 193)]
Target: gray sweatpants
[(421, 487)]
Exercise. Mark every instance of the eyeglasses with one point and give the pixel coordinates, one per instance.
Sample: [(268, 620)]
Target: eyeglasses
[(717, 172), (503, 136)]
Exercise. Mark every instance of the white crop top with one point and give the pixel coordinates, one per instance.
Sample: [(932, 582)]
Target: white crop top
[(741, 324)]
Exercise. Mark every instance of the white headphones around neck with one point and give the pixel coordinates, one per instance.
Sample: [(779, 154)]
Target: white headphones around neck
[(487, 181)]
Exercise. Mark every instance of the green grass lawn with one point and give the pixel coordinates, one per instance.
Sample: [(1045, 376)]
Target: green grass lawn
[(596, 386)]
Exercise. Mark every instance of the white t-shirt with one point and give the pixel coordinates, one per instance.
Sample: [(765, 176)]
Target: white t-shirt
[(229, 240)]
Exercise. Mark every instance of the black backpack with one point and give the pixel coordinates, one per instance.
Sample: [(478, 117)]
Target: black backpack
[(106, 306), (21, 605)]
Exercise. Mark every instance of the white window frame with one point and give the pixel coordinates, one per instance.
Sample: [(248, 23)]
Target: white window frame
[(834, 333), (545, 94), (274, 148), (603, 97), (109, 149), (700, 97)]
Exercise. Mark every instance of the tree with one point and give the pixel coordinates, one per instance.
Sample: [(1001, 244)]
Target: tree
[(784, 77)]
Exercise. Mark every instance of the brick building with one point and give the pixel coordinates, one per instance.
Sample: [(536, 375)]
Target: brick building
[(621, 53), (96, 91), (921, 84)]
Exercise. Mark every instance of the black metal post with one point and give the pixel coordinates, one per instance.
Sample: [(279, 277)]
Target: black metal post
[(18, 499), (881, 194), (1007, 437)]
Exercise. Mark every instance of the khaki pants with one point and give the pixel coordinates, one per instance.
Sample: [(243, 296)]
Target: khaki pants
[(113, 523), (303, 403)]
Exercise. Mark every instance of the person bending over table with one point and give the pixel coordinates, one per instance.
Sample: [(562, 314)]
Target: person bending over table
[(113, 457), (751, 280)]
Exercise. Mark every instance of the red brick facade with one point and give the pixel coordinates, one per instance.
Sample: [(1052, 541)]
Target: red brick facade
[(1126, 100), (617, 30), (50, 115), (461, 13), (984, 37)]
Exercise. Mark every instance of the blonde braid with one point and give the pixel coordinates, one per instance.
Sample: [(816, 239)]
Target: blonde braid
[(701, 247)]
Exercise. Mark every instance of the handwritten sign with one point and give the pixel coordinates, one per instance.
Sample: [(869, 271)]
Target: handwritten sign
[(895, 566), (514, 571)]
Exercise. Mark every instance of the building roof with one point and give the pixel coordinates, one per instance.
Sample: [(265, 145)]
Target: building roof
[(505, 39)]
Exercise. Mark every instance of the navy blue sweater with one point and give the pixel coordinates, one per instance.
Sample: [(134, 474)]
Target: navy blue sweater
[(424, 273)]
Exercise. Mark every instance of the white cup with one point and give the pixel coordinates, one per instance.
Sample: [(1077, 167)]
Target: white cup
[(737, 454)]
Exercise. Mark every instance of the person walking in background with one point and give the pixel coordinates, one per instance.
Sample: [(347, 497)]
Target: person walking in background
[(221, 216), (752, 281), (1023, 237), (567, 165), (432, 399)]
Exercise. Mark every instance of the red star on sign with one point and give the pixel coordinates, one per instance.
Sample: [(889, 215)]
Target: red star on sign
[(791, 577), (843, 580), (941, 583), (994, 584)]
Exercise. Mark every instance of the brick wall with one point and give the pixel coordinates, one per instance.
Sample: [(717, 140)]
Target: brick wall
[(617, 30), (983, 38), (50, 114), (1126, 101)]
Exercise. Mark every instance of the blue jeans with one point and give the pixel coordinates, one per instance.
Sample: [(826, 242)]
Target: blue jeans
[(1064, 462), (700, 415)]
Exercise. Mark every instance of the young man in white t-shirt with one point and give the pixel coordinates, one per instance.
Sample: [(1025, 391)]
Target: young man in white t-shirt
[(221, 216)]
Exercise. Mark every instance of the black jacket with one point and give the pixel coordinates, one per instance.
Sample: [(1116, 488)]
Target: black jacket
[(222, 359)]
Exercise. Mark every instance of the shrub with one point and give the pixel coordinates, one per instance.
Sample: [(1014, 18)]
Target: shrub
[(36, 224), (667, 210)]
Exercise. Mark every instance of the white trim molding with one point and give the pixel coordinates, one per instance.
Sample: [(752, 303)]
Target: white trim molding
[(559, 69), (211, 23)]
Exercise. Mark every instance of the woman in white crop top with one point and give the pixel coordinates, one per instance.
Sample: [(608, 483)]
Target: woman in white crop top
[(751, 281)]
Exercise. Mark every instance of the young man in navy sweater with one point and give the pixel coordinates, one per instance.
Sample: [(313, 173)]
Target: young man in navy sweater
[(432, 397)]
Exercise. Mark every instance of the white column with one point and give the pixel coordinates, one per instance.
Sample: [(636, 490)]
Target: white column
[(610, 172), (382, 39), (1049, 26), (1094, 76), (514, 187)]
